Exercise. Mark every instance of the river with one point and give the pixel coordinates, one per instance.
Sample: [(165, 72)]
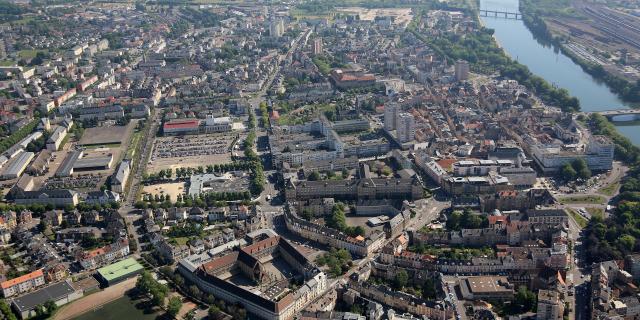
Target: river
[(553, 65)]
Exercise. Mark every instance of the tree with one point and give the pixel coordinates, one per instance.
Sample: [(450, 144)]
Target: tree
[(314, 176), (401, 279), (214, 312), (567, 172), (174, 306), (50, 306), (582, 169), (525, 300)]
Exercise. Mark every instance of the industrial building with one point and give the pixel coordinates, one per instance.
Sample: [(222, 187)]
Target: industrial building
[(119, 271), (17, 166)]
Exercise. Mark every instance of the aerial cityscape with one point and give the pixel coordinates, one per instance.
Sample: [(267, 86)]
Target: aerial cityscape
[(320, 159)]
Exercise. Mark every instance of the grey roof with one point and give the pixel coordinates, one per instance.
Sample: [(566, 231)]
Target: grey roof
[(95, 162), (53, 292), (119, 176), (16, 167), (67, 164)]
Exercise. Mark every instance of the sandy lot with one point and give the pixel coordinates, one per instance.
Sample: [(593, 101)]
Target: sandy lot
[(95, 300), (172, 189)]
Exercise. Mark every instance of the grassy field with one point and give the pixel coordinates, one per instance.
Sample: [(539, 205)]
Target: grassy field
[(135, 139), (595, 212), (582, 199), (7, 63), (610, 189), (29, 54), (120, 309), (580, 220)]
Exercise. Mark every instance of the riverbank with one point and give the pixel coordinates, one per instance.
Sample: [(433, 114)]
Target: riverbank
[(627, 91), (482, 51)]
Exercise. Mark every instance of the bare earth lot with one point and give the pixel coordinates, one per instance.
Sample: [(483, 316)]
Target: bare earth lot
[(172, 189), (107, 135)]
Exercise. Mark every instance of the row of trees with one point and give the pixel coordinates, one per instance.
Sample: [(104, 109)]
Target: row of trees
[(264, 115), (15, 137), (256, 185), (188, 171)]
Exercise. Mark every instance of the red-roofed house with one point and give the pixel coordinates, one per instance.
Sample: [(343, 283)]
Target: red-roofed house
[(23, 283)]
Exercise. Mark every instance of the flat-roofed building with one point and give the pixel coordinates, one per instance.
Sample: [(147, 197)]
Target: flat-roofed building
[(119, 271), (60, 293), (550, 305), (486, 287)]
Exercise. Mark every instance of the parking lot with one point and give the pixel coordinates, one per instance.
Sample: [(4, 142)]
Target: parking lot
[(190, 151)]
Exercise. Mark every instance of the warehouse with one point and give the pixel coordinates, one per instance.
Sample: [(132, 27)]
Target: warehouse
[(119, 271), (93, 163), (66, 168), (17, 167), (60, 293)]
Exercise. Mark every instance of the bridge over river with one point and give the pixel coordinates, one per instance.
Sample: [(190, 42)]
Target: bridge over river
[(611, 114)]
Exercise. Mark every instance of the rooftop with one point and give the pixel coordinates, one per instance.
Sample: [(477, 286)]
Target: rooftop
[(119, 269)]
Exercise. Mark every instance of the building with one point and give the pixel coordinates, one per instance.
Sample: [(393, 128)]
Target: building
[(270, 297), (550, 305), (107, 254), (23, 283), (119, 271), (113, 112), (405, 127), (220, 124), (121, 176), (462, 70), (598, 154), (372, 188), (486, 288), (391, 111), (17, 166), (276, 28), (57, 198), (346, 79), (317, 46), (181, 126), (61, 293), (56, 138)]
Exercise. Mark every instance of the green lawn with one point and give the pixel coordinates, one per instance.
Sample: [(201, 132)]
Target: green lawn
[(610, 189), (7, 63), (131, 149), (595, 212), (181, 240), (29, 54), (120, 309), (582, 199), (580, 220)]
